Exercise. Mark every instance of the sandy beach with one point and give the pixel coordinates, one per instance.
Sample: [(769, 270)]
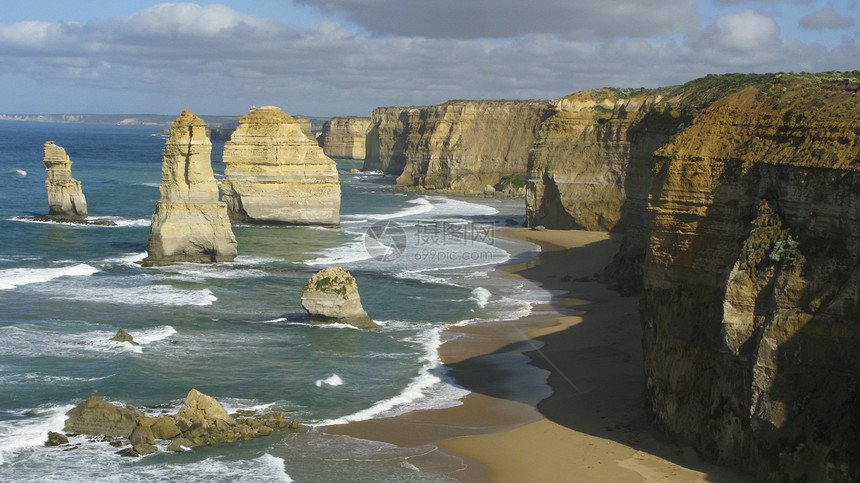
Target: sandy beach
[(555, 396)]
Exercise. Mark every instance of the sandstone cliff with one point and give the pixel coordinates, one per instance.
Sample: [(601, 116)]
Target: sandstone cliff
[(276, 175), (189, 223), (65, 199), (460, 146), (345, 137), (751, 301)]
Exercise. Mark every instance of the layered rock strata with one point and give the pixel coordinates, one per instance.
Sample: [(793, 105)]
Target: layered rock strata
[(751, 300), (66, 201), (275, 174), (190, 224), (331, 296), (345, 137), (459, 146)]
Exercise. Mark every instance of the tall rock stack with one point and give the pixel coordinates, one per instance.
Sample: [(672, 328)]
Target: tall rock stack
[(190, 224), (65, 198), (276, 175)]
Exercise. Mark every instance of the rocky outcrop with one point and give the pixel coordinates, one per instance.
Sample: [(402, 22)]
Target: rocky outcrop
[(306, 126), (123, 336), (190, 224), (97, 416), (331, 295), (459, 146), (751, 300), (275, 174), (345, 137), (66, 201), (201, 421)]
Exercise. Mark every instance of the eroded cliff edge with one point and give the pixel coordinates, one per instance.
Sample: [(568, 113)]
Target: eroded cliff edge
[(751, 294), (458, 146), (738, 196)]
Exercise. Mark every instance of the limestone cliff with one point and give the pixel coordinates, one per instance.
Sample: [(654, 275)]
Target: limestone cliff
[(190, 224), (461, 146), (751, 301), (345, 137), (274, 174), (66, 201)]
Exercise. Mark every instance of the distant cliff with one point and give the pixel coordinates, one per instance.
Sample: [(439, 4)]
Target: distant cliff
[(739, 196), (345, 137), (461, 146)]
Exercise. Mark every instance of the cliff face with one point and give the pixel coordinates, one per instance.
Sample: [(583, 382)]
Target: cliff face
[(751, 300), (578, 169), (345, 137), (65, 199), (189, 223), (462, 146), (276, 175)]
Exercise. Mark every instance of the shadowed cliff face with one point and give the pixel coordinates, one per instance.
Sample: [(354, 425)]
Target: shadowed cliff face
[(751, 299), (460, 146)]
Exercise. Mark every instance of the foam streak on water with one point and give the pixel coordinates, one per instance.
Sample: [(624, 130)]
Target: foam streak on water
[(16, 277)]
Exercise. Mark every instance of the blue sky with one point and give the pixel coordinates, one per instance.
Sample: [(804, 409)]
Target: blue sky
[(345, 57)]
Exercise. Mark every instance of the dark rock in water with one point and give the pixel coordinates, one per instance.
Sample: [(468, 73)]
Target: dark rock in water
[(130, 451), (73, 220), (56, 439), (511, 222), (145, 448), (123, 336), (97, 416), (116, 444)]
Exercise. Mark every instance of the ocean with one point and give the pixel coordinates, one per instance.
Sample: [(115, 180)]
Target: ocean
[(235, 331)]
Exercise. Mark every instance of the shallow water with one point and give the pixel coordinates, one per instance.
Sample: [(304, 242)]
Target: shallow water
[(235, 331)]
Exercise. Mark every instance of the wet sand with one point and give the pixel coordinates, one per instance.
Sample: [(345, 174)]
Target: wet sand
[(555, 396)]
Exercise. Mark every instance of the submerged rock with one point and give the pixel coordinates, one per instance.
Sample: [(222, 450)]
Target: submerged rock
[(331, 295), (65, 199), (190, 224), (123, 336), (275, 174)]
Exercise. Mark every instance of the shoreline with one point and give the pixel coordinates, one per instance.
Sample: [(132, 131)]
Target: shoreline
[(553, 395)]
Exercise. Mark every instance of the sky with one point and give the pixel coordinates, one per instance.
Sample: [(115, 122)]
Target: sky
[(345, 57)]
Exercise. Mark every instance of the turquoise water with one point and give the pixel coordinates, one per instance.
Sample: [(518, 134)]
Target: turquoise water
[(235, 331)]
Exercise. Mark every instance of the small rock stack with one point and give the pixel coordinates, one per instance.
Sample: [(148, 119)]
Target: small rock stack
[(331, 295), (65, 198)]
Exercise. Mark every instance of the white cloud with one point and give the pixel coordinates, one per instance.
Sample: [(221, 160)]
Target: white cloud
[(744, 31), (824, 19), (470, 19), (181, 55)]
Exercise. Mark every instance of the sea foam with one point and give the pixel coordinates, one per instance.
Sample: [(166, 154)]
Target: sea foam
[(11, 278)]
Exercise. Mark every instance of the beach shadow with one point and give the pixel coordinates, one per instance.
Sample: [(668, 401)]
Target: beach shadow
[(594, 365)]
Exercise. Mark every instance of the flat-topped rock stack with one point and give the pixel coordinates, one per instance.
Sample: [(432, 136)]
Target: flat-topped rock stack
[(275, 174), (190, 224), (65, 199)]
